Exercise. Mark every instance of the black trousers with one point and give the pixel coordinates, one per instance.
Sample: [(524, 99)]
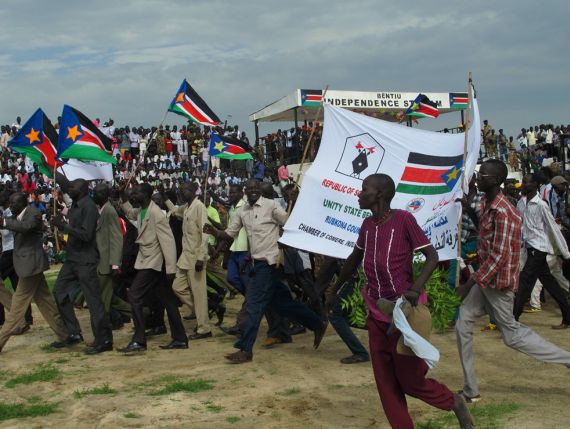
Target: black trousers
[(145, 281), (535, 268), (74, 273)]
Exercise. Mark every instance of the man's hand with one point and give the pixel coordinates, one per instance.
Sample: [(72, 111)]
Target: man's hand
[(199, 266), (170, 278), (412, 296), (463, 289), (330, 300), (209, 229), (115, 271), (58, 222)]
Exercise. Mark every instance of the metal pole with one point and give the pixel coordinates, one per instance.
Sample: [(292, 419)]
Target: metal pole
[(296, 118), (256, 131)]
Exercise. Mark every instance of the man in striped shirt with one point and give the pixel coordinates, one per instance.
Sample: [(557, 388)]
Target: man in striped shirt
[(490, 290), (538, 228)]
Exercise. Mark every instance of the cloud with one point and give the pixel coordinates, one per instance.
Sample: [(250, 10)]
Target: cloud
[(126, 59)]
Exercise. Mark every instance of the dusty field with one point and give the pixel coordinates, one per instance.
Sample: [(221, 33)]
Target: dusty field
[(289, 386)]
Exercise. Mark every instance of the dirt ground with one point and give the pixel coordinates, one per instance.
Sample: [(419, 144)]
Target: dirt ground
[(289, 386)]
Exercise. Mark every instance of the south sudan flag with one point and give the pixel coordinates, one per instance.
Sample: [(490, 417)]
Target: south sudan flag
[(189, 104), (311, 97), (37, 139), (430, 174), (228, 148), (458, 100), (423, 107)]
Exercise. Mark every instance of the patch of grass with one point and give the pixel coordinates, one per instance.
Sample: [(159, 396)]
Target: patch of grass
[(232, 419), (191, 386), (18, 411), (103, 390), (44, 372), (489, 416), (131, 415), (60, 360), (212, 407), (47, 348), (290, 392)]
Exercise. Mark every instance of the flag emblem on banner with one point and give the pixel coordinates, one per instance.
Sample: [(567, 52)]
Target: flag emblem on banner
[(80, 139), (311, 97), (430, 174), (37, 139), (189, 104), (423, 107), (362, 156), (458, 100)]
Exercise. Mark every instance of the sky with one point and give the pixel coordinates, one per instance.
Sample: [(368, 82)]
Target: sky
[(125, 59)]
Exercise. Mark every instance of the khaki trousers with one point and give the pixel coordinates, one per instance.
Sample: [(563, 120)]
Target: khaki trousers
[(34, 287), (190, 280), (6, 301)]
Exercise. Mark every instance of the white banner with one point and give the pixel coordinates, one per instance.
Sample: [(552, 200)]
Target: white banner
[(93, 170), (425, 165)]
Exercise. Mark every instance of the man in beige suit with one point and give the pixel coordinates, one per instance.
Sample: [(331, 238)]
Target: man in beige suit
[(191, 272), (110, 245), (30, 262), (156, 267)]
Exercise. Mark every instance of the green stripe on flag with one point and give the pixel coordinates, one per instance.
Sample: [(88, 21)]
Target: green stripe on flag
[(35, 155), (406, 188), (311, 103), (225, 155), (87, 153)]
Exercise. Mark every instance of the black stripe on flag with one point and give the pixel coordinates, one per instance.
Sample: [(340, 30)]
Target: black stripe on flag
[(434, 160), (312, 91)]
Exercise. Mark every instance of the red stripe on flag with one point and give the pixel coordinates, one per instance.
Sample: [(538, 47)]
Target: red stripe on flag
[(192, 111), (461, 100), (233, 149), (48, 151), (90, 137), (423, 175), (314, 98)]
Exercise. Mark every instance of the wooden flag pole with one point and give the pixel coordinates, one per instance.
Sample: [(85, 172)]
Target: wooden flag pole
[(463, 178), (55, 205)]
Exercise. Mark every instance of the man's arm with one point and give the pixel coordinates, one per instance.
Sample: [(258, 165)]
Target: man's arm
[(166, 241), (29, 223), (553, 231), (115, 236), (430, 264), (279, 214), (177, 211), (86, 230), (350, 266)]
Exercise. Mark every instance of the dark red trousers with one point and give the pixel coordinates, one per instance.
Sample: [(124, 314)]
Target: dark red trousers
[(400, 375)]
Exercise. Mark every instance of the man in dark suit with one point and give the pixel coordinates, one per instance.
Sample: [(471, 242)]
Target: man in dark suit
[(81, 267), (30, 262), (110, 246)]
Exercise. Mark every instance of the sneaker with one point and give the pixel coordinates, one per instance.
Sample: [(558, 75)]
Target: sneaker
[(532, 310), (489, 327), (469, 399)]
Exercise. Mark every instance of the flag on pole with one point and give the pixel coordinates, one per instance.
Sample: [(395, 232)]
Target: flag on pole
[(423, 107), (458, 100), (79, 138), (228, 148), (189, 104), (430, 174), (37, 139)]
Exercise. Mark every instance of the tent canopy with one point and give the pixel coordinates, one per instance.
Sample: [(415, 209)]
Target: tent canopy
[(303, 104)]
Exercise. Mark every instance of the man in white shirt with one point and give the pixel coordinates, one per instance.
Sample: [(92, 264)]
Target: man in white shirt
[(537, 228)]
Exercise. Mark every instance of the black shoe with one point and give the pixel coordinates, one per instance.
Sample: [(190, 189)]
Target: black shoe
[(354, 359), (232, 330), (320, 333), (133, 347), (190, 317), (158, 330), (174, 345), (117, 324), (200, 336), (69, 341), (94, 350), (22, 330)]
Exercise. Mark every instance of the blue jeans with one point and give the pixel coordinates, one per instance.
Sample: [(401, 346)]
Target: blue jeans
[(266, 289), (340, 324), (235, 277)]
